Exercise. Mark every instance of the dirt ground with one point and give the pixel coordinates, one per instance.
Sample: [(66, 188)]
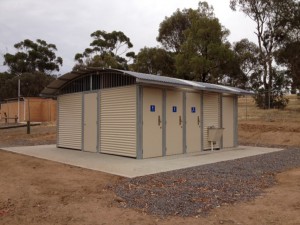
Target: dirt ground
[(39, 135), (273, 127), (35, 191), (264, 133)]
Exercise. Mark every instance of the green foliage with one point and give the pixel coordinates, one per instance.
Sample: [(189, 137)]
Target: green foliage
[(33, 57), (7, 86), (171, 30), (247, 59), (275, 97), (154, 61), (288, 56), (199, 42), (106, 50), (31, 84), (275, 21), (32, 64)]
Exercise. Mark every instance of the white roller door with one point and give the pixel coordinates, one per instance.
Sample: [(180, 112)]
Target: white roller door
[(70, 121), (118, 121), (211, 115)]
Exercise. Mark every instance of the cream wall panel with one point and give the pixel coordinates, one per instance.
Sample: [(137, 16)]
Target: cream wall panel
[(174, 123), (193, 122), (70, 121), (228, 121), (152, 122), (90, 122)]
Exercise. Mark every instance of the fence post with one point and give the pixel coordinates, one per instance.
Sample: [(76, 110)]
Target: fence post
[(28, 127)]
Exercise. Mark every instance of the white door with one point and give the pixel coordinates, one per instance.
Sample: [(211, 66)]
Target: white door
[(90, 122), (152, 122), (193, 122), (174, 123)]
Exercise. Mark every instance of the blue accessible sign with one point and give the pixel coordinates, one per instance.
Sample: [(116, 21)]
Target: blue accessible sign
[(174, 108), (152, 108), (193, 109)]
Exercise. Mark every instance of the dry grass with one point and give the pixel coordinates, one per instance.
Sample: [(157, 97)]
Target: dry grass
[(248, 111), (274, 128)]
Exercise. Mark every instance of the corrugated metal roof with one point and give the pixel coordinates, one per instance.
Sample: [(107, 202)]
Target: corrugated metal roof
[(56, 85)]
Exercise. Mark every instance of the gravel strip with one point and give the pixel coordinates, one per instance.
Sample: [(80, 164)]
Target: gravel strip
[(197, 190)]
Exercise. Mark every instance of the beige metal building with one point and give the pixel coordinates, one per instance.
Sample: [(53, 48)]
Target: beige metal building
[(141, 115)]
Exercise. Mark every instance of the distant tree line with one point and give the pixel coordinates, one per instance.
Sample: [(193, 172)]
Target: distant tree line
[(194, 46)]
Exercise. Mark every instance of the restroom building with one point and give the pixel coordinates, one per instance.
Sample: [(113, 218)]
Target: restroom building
[(140, 115)]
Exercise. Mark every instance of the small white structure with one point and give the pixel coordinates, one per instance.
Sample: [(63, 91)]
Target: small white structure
[(141, 115)]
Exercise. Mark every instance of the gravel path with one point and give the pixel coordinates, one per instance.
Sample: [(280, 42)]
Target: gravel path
[(194, 191)]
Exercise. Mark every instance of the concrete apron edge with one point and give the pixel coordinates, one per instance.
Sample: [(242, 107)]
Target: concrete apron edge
[(129, 167)]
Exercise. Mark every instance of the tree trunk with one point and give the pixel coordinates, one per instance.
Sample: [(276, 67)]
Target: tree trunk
[(293, 88), (266, 86), (270, 86)]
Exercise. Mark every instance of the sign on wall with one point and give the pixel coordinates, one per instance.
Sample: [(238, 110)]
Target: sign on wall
[(174, 109), (152, 108)]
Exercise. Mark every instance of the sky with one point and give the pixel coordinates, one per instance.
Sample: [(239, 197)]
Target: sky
[(69, 23)]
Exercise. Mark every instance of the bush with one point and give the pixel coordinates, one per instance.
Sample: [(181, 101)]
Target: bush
[(277, 100)]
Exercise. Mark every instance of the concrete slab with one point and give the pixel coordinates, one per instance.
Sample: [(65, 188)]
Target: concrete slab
[(129, 167)]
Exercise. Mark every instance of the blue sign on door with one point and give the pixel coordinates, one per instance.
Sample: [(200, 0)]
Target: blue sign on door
[(174, 108), (152, 108), (193, 109)]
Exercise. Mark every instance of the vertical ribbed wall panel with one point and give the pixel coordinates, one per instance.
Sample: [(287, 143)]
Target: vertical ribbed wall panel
[(118, 121), (70, 121), (211, 117), (228, 121)]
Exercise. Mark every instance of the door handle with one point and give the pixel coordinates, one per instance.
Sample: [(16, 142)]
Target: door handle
[(159, 120), (180, 121), (198, 119)]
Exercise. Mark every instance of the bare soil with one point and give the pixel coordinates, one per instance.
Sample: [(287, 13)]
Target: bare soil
[(39, 135), (278, 128), (272, 134), (36, 192)]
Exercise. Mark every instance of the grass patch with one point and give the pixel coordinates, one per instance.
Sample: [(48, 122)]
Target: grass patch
[(248, 111)]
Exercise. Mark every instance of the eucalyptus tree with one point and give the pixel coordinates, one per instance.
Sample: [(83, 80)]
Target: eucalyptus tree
[(199, 43), (154, 61), (247, 55), (33, 65), (273, 19), (106, 50), (38, 56)]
